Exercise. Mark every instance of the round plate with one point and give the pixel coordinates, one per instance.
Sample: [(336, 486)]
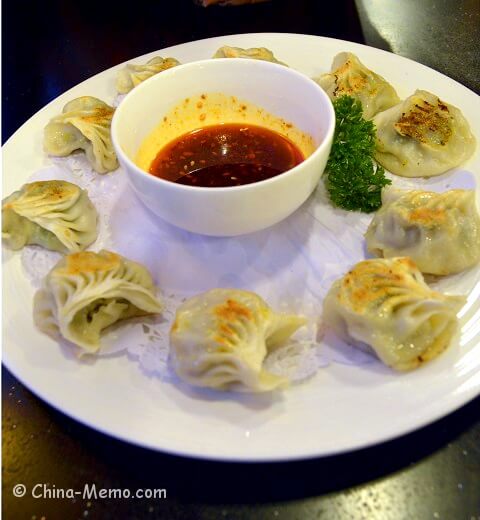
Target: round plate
[(342, 408)]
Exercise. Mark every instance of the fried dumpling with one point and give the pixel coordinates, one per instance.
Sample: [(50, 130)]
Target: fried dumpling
[(84, 124), (350, 77), (132, 75), (440, 232), (87, 292), (422, 136), (254, 53), (220, 339), (385, 303), (57, 215)]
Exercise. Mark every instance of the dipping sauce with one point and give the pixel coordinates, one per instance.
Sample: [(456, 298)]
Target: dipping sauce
[(229, 154)]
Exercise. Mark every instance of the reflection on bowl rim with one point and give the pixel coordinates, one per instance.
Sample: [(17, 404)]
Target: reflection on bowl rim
[(330, 127)]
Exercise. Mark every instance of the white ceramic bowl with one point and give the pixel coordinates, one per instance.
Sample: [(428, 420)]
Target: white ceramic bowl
[(234, 210)]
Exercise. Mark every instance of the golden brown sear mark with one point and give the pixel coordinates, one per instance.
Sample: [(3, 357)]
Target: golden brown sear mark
[(232, 310), (426, 123)]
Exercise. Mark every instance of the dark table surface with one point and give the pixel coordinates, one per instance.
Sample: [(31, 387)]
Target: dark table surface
[(433, 473)]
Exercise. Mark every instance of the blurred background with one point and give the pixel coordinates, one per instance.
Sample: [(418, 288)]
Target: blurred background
[(52, 45)]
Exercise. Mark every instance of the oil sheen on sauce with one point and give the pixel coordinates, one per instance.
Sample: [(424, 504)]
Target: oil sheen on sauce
[(228, 154)]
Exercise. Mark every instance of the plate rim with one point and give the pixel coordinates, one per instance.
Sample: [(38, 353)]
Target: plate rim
[(195, 454)]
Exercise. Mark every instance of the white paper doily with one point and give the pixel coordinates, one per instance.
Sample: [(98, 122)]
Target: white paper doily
[(291, 265)]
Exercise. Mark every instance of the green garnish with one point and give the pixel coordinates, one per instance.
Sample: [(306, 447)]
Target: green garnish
[(353, 179)]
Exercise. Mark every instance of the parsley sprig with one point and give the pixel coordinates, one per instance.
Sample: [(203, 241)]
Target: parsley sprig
[(353, 179)]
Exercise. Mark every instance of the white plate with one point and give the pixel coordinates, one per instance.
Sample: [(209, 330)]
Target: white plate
[(342, 408)]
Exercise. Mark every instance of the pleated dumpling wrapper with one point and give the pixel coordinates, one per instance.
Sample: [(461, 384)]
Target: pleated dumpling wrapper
[(84, 124), (57, 215), (254, 53), (220, 338), (350, 77), (440, 232), (133, 74), (87, 292), (422, 136), (386, 304)]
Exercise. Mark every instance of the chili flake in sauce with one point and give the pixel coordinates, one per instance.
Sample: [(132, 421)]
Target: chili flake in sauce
[(229, 154)]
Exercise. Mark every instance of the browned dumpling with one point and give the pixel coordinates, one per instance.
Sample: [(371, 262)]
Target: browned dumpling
[(350, 77), (220, 339), (440, 232), (87, 292), (386, 304), (84, 124), (57, 215), (254, 53), (422, 136), (133, 74)]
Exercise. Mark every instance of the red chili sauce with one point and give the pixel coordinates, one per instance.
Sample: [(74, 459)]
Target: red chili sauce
[(225, 155)]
